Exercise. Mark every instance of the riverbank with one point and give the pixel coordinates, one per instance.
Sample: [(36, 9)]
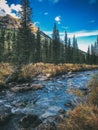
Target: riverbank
[(10, 73), (85, 115)]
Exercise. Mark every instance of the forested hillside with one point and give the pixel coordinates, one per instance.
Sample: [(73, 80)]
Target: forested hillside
[(22, 43)]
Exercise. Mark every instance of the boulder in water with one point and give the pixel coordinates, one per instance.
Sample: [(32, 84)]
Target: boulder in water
[(29, 121)]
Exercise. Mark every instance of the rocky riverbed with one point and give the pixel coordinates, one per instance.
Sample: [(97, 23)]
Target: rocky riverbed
[(40, 105)]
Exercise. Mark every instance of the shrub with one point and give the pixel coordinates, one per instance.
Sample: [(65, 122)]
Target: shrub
[(83, 117), (93, 86)]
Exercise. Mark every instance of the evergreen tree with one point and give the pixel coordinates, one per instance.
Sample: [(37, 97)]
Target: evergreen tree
[(66, 39), (51, 51), (24, 36), (38, 46), (45, 52), (8, 49), (75, 51), (88, 60), (69, 51), (56, 45), (66, 47), (2, 42)]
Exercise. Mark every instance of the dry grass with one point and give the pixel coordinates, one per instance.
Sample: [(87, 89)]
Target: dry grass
[(93, 86), (5, 70), (29, 71), (83, 117)]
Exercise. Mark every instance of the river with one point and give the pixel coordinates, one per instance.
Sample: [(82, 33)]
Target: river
[(48, 101)]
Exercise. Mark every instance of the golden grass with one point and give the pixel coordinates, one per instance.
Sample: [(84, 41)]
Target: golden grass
[(31, 70), (83, 117), (93, 86), (5, 70)]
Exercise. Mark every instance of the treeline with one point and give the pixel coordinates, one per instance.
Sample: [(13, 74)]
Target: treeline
[(22, 46)]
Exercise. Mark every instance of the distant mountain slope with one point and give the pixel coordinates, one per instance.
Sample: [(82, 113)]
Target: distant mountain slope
[(10, 23)]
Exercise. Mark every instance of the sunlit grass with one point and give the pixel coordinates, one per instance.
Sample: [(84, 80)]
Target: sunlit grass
[(5, 70), (83, 117), (28, 72)]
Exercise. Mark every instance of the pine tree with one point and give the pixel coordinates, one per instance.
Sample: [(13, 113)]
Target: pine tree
[(88, 60), (45, 52), (24, 36), (38, 46), (51, 51), (66, 39), (56, 45), (2, 42), (75, 50)]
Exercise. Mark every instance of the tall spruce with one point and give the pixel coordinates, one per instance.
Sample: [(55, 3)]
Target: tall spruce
[(2, 42), (56, 44), (24, 36), (88, 56), (38, 46)]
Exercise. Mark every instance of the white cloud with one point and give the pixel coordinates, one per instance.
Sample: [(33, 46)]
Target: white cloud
[(58, 19), (46, 13), (2, 12), (82, 43), (36, 23), (9, 9), (65, 27), (84, 33)]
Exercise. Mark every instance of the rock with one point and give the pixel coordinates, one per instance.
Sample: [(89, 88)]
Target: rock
[(29, 121), (40, 77), (12, 84), (4, 118), (2, 87), (47, 126), (36, 86), (68, 104), (26, 87), (85, 90), (61, 111), (48, 75), (5, 115)]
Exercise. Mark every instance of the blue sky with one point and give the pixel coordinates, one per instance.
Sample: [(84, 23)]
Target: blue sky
[(79, 17)]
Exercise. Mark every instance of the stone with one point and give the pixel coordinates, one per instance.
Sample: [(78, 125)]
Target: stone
[(68, 104), (5, 115), (47, 126), (26, 87), (29, 121)]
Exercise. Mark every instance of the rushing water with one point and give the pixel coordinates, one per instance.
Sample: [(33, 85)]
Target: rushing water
[(48, 101)]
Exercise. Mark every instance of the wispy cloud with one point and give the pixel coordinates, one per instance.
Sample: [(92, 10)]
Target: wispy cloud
[(36, 23), (79, 34), (65, 27), (6, 9), (83, 33), (45, 13), (58, 19)]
